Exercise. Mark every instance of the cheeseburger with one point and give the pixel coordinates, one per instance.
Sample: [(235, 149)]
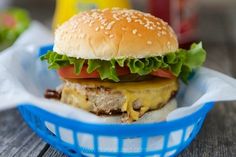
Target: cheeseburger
[(120, 62)]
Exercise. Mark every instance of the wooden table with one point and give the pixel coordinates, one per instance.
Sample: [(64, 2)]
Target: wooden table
[(217, 138)]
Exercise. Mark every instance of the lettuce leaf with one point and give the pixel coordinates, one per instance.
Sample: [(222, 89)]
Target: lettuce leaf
[(181, 63)]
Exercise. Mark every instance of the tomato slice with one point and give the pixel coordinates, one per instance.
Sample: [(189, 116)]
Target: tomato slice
[(163, 73), (68, 72), (121, 71)]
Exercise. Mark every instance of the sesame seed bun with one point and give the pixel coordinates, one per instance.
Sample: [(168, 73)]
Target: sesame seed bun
[(114, 33)]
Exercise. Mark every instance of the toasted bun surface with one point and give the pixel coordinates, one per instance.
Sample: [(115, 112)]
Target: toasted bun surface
[(114, 33)]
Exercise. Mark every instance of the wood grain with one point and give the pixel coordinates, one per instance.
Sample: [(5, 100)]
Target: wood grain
[(16, 139), (52, 152)]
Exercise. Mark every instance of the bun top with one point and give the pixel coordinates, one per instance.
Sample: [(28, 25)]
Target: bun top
[(114, 33)]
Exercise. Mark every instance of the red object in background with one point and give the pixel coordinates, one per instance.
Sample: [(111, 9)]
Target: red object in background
[(180, 14), (7, 20)]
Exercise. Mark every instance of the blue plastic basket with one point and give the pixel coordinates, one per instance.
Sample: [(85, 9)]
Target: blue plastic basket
[(187, 128), (151, 140)]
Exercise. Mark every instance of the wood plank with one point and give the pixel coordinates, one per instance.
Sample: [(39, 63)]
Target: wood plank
[(217, 137), (52, 152), (16, 139)]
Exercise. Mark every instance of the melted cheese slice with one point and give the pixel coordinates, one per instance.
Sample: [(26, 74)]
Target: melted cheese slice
[(152, 94)]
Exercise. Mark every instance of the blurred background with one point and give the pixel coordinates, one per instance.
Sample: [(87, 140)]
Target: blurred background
[(185, 16)]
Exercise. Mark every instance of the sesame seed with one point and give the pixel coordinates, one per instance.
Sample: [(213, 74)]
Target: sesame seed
[(159, 34), (110, 25), (97, 29), (152, 28), (149, 42), (168, 44), (106, 33), (153, 24), (129, 19), (135, 31), (146, 19), (111, 36), (163, 32), (115, 17), (100, 18), (139, 21), (159, 28), (75, 26), (139, 35), (124, 29), (123, 15)]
